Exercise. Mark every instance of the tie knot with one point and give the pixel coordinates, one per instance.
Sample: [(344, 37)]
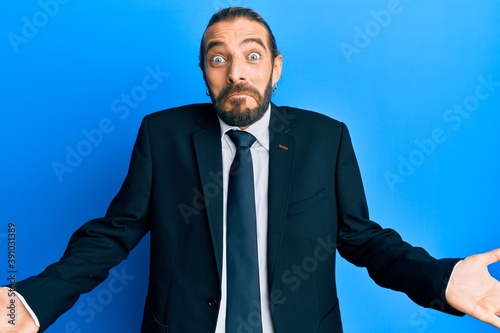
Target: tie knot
[(241, 138)]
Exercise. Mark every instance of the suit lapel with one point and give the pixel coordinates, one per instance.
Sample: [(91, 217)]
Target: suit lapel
[(281, 153), (208, 149)]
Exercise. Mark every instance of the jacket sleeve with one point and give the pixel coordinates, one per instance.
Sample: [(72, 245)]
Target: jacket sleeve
[(98, 245), (391, 262)]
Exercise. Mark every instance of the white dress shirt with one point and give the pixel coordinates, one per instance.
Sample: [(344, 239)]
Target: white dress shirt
[(260, 159)]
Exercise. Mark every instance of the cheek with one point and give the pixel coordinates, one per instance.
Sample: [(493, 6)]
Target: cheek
[(261, 83), (258, 73), (261, 75), (214, 81)]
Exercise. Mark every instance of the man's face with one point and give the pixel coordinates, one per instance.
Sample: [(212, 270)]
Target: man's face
[(239, 70)]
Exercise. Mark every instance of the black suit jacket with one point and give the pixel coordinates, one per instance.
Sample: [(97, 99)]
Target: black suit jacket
[(174, 190)]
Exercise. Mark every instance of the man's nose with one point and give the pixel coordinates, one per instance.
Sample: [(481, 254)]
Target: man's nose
[(237, 71)]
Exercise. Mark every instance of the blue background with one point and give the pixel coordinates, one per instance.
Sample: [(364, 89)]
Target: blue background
[(392, 70)]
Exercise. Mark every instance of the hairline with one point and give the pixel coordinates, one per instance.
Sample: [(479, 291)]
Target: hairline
[(203, 48)]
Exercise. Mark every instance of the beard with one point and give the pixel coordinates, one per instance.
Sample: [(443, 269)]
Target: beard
[(239, 115)]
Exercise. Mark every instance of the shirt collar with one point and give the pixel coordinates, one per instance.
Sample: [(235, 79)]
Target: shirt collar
[(259, 129)]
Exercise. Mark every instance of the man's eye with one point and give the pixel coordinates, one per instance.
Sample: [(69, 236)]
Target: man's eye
[(254, 56), (218, 60)]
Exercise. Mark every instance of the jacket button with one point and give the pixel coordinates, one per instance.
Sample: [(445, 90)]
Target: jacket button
[(212, 302)]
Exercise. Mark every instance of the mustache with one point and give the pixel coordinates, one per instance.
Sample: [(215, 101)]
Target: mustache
[(237, 89)]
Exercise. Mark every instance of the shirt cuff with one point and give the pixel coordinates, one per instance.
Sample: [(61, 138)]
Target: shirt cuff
[(451, 275), (33, 315)]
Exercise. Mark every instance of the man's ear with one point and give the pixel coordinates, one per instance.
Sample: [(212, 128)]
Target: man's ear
[(277, 67), (204, 77), (202, 68)]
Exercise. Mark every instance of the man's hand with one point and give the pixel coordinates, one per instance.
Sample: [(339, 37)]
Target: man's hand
[(14, 318), (474, 291)]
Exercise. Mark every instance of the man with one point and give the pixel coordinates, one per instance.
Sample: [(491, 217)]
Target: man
[(307, 200)]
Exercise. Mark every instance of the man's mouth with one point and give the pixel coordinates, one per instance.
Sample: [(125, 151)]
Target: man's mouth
[(238, 92), (238, 95)]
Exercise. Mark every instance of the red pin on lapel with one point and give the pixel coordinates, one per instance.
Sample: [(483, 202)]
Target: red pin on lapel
[(282, 147)]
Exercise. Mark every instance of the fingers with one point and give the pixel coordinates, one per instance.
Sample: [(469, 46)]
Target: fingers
[(494, 321), (490, 257), (486, 258)]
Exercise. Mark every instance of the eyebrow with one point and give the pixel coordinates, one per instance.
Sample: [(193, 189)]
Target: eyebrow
[(254, 40), (216, 43), (213, 44)]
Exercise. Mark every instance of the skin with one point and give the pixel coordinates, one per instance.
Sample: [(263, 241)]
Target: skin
[(237, 53), (474, 291), (23, 321)]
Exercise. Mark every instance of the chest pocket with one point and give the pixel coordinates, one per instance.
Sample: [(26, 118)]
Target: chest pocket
[(307, 204)]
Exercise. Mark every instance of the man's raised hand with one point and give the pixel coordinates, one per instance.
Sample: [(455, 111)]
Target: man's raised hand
[(14, 318), (472, 290)]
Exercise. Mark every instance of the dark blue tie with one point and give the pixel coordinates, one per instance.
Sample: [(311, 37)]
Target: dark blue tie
[(243, 292)]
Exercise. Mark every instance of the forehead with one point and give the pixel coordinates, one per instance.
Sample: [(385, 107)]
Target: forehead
[(235, 31)]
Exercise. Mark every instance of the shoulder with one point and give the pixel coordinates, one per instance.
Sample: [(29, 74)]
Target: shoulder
[(186, 117), (186, 112), (307, 120)]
